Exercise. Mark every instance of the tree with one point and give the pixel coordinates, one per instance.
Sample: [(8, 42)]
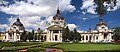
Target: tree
[(116, 33), (39, 34), (30, 35), (23, 36), (70, 35), (74, 36), (101, 9), (77, 36), (35, 36), (65, 34)]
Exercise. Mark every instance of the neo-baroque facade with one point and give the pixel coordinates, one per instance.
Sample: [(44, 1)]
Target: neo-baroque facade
[(54, 31)]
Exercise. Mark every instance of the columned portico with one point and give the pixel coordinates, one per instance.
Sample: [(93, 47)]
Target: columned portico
[(100, 34), (55, 28), (13, 34)]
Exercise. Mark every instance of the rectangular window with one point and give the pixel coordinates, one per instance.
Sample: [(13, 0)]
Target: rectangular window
[(55, 31), (56, 22)]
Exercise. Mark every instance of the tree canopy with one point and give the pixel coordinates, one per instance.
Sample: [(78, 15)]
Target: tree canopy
[(70, 35), (116, 33), (23, 36), (101, 8)]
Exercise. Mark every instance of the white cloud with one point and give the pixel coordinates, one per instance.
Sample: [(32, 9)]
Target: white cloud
[(84, 19), (33, 22), (115, 7), (66, 6), (38, 8), (71, 26), (31, 11), (88, 6), (3, 27)]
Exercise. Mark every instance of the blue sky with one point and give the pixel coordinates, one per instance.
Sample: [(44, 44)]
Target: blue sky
[(70, 9)]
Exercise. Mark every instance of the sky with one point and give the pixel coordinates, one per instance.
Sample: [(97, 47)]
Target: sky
[(35, 14)]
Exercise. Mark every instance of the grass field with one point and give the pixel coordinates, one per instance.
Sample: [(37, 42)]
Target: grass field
[(67, 47), (88, 47)]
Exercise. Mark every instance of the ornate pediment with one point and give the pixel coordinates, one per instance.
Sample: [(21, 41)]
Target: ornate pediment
[(55, 27)]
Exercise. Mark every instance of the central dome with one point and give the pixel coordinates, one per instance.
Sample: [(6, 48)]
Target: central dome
[(18, 23), (58, 16), (101, 23)]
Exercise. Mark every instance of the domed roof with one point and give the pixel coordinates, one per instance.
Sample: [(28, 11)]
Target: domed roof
[(18, 23), (101, 23), (58, 16)]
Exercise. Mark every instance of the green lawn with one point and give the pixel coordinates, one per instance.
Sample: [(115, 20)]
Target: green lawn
[(88, 47), (37, 46)]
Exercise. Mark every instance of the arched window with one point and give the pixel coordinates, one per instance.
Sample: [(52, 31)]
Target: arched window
[(56, 37), (90, 37), (82, 37), (86, 37), (112, 37), (105, 35), (97, 38)]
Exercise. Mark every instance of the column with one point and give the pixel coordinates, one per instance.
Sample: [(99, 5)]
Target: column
[(19, 37), (95, 39), (110, 36), (88, 38), (84, 38), (59, 36), (91, 37), (7, 36), (51, 36), (98, 37), (14, 39), (48, 36)]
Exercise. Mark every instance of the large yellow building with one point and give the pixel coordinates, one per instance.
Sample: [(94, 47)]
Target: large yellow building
[(54, 31)]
